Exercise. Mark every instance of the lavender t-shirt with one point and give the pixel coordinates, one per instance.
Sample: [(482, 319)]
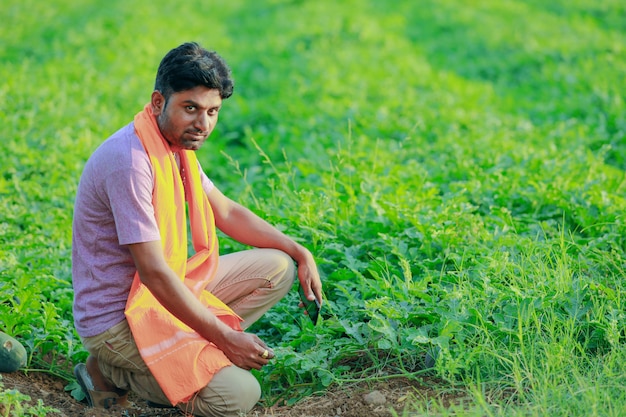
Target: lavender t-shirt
[(113, 209)]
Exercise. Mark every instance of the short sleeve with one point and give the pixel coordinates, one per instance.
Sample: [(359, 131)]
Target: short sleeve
[(130, 195), (207, 184)]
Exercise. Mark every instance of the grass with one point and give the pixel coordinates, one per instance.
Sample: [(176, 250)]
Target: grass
[(457, 169)]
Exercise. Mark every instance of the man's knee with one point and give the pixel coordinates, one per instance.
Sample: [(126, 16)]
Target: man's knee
[(231, 391), (287, 268)]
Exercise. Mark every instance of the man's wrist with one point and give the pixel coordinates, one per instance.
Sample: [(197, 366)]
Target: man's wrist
[(219, 334), (301, 255)]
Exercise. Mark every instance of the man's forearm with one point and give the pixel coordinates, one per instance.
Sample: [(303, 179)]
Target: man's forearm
[(246, 227), (180, 301)]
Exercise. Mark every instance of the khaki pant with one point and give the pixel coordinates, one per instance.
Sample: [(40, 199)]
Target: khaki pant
[(250, 282)]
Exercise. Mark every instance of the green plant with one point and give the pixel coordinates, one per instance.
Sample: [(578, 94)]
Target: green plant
[(14, 403)]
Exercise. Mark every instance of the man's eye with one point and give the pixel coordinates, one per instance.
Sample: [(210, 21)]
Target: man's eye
[(190, 108), (213, 112)]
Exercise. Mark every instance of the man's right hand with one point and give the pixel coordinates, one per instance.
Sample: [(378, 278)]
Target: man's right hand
[(245, 350)]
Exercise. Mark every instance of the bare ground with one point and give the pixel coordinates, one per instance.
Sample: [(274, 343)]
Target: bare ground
[(375, 399)]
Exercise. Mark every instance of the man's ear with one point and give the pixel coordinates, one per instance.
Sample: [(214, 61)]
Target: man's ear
[(157, 102)]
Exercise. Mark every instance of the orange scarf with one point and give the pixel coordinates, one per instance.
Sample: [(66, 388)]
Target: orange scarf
[(181, 360)]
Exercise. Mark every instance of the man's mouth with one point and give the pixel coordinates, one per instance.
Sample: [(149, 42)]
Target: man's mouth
[(197, 135)]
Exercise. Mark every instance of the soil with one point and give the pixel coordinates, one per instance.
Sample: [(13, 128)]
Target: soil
[(356, 400)]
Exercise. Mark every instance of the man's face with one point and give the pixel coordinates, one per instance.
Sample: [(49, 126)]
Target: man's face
[(188, 117)]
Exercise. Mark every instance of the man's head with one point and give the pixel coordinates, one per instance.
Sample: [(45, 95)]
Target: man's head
[(190, 85), (190, 65)]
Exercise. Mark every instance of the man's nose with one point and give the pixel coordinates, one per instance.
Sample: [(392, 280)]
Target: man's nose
[(202, 122)]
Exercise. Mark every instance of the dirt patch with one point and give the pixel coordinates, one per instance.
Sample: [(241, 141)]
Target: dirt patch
[(354, 400)]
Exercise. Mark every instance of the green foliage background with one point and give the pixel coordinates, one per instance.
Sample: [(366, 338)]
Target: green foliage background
[(457, 168)]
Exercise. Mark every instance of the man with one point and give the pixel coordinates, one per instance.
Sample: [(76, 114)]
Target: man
[(154, 322)]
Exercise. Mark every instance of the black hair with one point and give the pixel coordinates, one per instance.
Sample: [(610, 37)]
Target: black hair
[(189, 66)]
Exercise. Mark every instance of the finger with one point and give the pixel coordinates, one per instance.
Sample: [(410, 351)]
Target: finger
[(261, 346), (258, 341), (318, 296), (312, 286), (258, 362), (267, 353), (308, 291), (307, 287), (316, 287), (262, 350), (256, 365), (315, 294)]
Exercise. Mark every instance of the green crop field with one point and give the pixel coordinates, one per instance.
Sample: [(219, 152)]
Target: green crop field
[(456, 167)]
